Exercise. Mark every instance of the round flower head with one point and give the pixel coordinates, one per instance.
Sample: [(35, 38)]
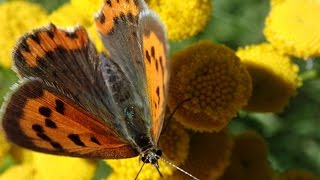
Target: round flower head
[(174, 143), (17, 17), (292, 27), (62, 167), (183, 19), (295, 174), (211, 85), (248, 159), (129, 168), (209, 156), (274, 77)]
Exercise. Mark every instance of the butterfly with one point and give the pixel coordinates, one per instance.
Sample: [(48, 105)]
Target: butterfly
[(73, 101)]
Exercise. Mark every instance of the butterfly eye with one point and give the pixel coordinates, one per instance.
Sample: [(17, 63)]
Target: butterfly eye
[(158, 153)]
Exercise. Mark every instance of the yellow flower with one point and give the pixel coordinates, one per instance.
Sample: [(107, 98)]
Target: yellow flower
[(4, 146), (174, 143), (23, 171), (213, 81), (129, 168), (69, 15), (93, 34), (274, 76), (249, 159), (183, 19), (17, 17), (87, 7), (60, 167), (295, 174), (292, 26), (208, 156)]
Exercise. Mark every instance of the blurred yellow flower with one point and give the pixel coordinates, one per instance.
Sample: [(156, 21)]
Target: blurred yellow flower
[(213, 80), (87, 7), (4, 146), (248, 159), (19, 172), (208, 156), (69, 15), (292, 27), (129, 168), (17, 17), (183, 19), (51, 167), (297, 174), (274, 77)]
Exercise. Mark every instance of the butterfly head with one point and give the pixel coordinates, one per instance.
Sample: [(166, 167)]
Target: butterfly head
[(151, 156)]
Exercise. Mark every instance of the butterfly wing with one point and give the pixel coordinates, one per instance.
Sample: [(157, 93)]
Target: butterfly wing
[(136, 40), (155, 50), (67, 60), (39, 118)]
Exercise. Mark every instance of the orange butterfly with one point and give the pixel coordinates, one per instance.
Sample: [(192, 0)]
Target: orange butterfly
[(74, 101)]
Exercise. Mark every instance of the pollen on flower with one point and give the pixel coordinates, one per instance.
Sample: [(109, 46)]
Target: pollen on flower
[(274, 76), (130, 168), (22, 171), (208, 157), (183, 19), (174, 143), (214, 83), (4, 146), (292, 27), (16, 19), (248, 159)]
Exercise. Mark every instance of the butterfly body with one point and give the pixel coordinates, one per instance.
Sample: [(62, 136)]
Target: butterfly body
[(74, 101)]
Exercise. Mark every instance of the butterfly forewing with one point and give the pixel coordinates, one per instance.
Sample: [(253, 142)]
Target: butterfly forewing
[(39, 118), (155, 50)]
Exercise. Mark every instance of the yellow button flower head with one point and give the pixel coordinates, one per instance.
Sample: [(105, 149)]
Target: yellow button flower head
[(213, 81), (297, 174), (274, 76), (174, 143), (17, 17), (182, 18), (129, 168), (208, 156), (248, 159), (50, 167), (292, 26)]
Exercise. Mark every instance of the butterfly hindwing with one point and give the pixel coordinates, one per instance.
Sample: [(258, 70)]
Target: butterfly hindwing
[(39, 118)]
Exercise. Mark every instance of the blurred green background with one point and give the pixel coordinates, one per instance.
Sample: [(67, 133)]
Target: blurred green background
[(293, 136)]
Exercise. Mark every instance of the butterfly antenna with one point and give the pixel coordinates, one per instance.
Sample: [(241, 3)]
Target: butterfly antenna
[(180, 169), (139, 171), (174, 111)]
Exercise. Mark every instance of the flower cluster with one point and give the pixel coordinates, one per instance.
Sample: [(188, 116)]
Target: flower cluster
[(210, 85)]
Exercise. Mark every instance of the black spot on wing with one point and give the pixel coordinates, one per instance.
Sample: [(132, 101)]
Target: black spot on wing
[(49, 123), (43, 137), (56, 145), (148, 56), (153, 51), (60, 106), (95, 140), (45, 111), (37, 128), (76, 139)]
